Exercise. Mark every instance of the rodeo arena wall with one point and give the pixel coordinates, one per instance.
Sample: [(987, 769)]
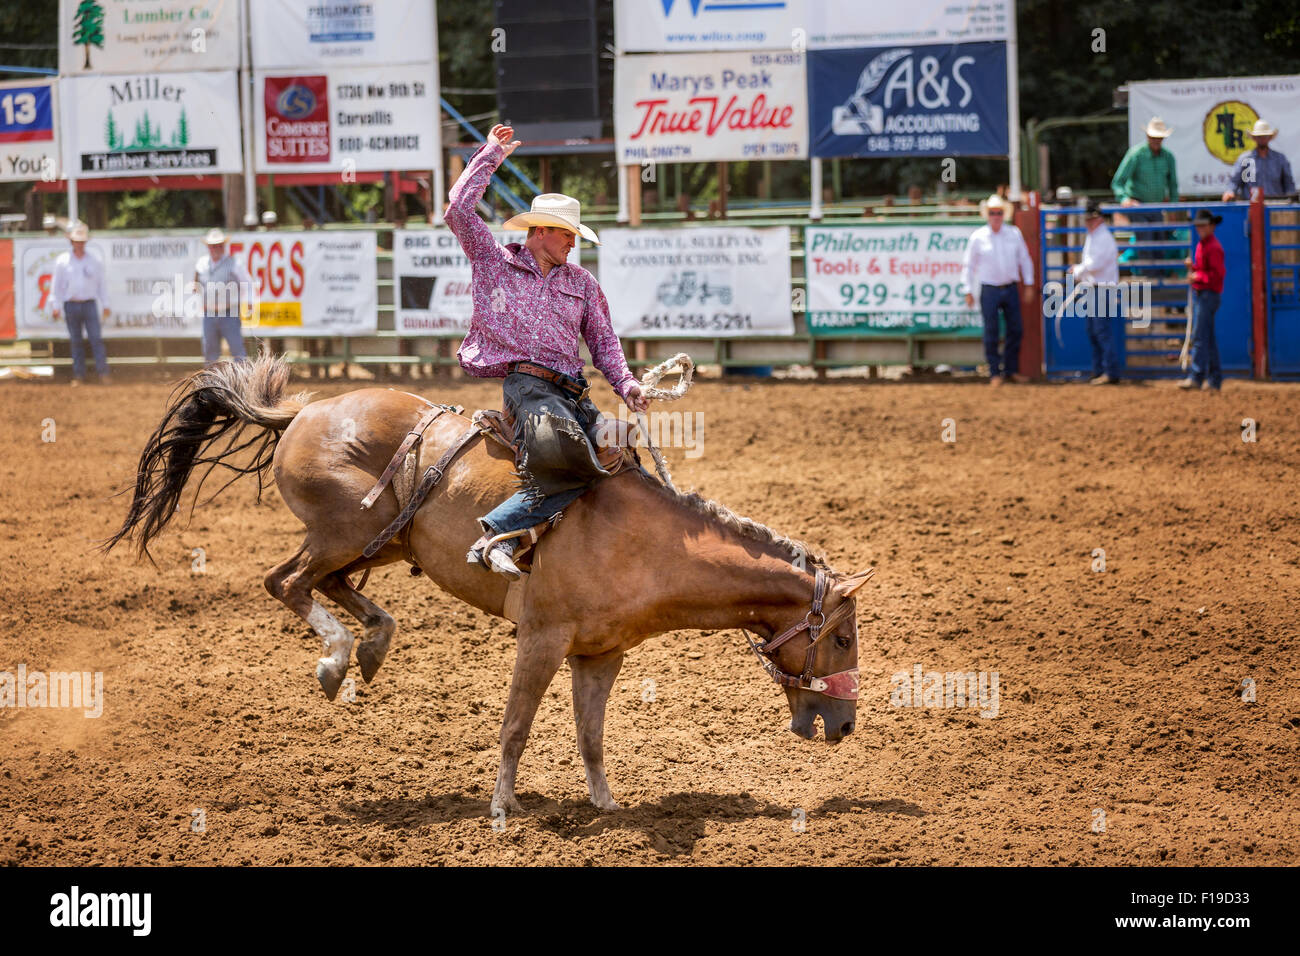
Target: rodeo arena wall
[(322, 96)]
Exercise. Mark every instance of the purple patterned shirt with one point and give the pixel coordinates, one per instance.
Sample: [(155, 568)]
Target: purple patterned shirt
[(519, 314)]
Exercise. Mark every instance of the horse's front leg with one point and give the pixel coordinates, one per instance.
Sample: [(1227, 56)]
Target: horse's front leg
[(538, 656), (593, 678)]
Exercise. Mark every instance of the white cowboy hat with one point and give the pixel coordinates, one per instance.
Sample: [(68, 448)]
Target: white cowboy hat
[(1262, 128), (554, 209), (998, 201), (215, 237), (79, 232), (1158, 128)]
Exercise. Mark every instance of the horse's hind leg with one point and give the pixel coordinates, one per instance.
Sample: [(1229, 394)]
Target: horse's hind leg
[(593, 678), (378, 623), (291, 582)]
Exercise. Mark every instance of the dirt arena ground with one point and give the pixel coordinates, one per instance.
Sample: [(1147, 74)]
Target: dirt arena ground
[(1120, 693)]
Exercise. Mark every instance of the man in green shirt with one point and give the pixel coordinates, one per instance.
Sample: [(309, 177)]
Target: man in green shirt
[(1147, 173)]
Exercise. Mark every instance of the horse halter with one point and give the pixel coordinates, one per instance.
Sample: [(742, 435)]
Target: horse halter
[(842, 684)]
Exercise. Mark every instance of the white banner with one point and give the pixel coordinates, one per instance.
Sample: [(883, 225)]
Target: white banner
[(142, 275), (127, 36), (29, 145), (311, 283), (358, 119), (1212, 119), (897, 280), (155, 124), (716, 281), (710, 107), (687, 26), (311, 34), (431, 274)]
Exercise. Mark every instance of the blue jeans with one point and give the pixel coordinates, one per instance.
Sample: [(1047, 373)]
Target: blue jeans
[(85, 315), (217, 327), (995, 299), (515, 514), (1205, 351), (1104, 310)]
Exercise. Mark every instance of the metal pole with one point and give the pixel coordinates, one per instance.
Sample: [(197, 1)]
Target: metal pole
[(439, 184), (1013, 108), (72, 198), (815, 206), (246, 114), (623, 173)]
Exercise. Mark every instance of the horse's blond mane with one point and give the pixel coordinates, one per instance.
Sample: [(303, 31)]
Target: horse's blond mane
[(745, 527)]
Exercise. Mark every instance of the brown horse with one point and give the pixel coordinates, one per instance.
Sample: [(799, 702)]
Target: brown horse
[(630, 559)]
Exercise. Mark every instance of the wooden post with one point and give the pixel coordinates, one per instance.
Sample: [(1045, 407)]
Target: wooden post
[(545, 162), (633, 180), (1031, 347), (723, 184)]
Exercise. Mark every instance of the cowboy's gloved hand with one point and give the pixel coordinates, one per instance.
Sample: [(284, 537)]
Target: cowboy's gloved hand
[(635, 400)]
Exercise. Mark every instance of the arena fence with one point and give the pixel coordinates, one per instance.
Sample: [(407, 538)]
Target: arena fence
[(1282, 282)]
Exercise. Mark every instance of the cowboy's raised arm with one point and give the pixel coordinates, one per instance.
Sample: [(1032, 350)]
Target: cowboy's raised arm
[(462, 218)]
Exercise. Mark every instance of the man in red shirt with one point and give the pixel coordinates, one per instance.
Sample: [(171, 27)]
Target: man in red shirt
[(1207, 272)]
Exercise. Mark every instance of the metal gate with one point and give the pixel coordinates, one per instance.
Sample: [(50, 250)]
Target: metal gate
[(1282, 289), (1153, 244)]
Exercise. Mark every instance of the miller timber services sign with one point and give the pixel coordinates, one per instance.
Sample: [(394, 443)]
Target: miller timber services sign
[(131, 36), (151, 124)]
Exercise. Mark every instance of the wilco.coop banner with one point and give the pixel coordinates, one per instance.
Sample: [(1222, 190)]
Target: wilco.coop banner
[(1211, 122), (887, 280), (696, 107), (150, 124), (311, 283), (708, 282), (359, 119), (128, 36), (433, 275), (28, 145), (909, 101)]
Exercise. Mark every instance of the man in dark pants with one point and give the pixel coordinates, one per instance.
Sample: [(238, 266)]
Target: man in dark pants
[(80, 292), (996, 257), (1207, 274)]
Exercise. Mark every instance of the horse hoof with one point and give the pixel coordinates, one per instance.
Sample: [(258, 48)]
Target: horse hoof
[(610, 804), (369, 657), (330, 677), (506, 804)]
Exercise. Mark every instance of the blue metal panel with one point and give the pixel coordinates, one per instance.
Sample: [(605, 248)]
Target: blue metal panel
[(1282, 289)]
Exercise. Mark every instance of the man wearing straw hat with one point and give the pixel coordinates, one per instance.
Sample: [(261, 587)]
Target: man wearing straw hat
[(996, 257), (1262, 167), (531, 308), (227, 289), (1100, 270), (79, 291)]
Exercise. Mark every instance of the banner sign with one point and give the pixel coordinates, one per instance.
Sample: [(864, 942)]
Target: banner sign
[(678, 26), (307, 283), (311, 34), (1211, 122), (703, 107), (156, 124), (127, 36), (358, 119), (29, 146), (910, 101), (714, 282), (688, 26), (832, 25), (311, 283), (888, 280), (144, 276), (432, 276)]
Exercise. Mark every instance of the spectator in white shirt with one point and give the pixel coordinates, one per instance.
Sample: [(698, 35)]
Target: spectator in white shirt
[(996, 258), (1100, 270), (79, 291)]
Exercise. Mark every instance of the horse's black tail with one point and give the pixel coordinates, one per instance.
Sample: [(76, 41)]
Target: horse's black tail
[(220, 400)]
